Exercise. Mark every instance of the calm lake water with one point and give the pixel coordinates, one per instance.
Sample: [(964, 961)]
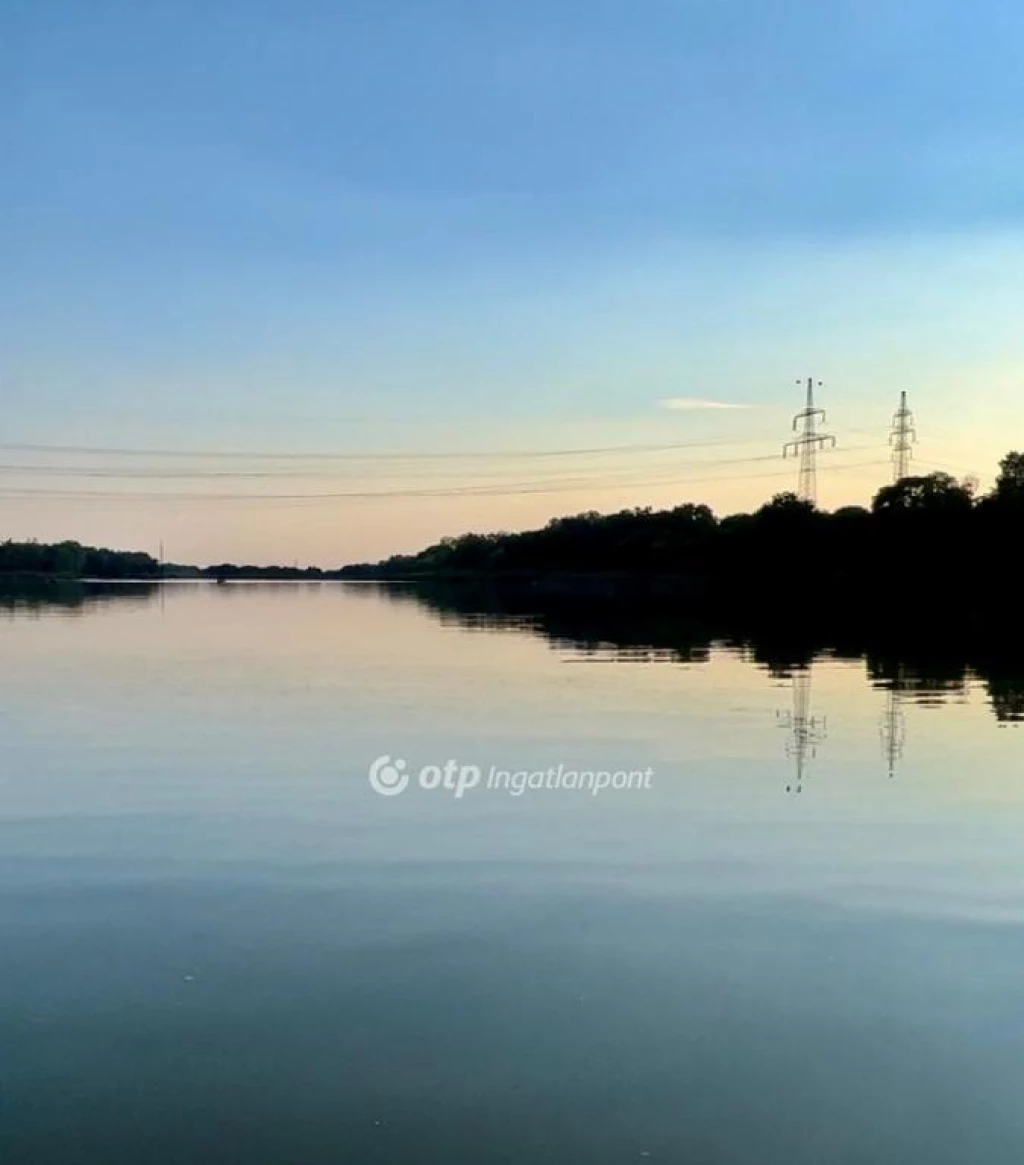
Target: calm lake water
[(803, 943)]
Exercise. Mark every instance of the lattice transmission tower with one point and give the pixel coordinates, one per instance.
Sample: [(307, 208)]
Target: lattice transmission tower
[(807, 445), (806, 732), (894, 726), (902, 438)]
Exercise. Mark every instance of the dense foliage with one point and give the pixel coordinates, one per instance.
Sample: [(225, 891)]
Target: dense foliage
[(72, 560), (226, 571), (924, 526)]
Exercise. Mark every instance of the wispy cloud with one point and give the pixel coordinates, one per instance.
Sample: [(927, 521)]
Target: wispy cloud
[(685, 403)]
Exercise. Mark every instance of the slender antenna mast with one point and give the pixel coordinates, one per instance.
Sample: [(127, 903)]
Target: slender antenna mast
[(902, 438), (807, 444)]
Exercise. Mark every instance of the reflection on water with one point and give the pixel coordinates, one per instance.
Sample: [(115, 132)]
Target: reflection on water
[(806, 731), (72, 597), (894, 727), (923, 668), (914, 668), (919, 664), (219, 944)]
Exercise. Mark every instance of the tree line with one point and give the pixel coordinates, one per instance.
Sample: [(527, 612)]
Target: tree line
[(930, 530), (71, 560)]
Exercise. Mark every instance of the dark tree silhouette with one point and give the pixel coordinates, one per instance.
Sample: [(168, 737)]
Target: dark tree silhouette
[(1010, 483), (926, 541), (71, 560), (935, 495)]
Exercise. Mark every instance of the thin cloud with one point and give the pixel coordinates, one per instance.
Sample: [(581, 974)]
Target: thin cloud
[(686, 403)]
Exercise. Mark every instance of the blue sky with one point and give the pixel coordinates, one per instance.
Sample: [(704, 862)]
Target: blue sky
[(464, 226)]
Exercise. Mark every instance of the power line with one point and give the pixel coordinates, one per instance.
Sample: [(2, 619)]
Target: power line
[(190, 474), (538, 487), (235, 454), (33, 470), (956, 469)]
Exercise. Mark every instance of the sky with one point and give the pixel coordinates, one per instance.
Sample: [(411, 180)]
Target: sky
[(322, 282)]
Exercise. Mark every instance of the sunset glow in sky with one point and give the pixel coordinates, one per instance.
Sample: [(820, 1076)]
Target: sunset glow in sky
[(402, 269)]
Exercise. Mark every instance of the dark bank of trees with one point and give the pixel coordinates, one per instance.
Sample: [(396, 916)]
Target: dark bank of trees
[(71, 560), (927, 534), (229, 571)]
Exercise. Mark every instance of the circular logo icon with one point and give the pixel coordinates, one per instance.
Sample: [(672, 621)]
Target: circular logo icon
[(388, 777)]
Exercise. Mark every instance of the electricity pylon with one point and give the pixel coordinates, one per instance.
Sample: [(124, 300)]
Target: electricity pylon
[(894, 725), (808, 443), (902, 438), (806, 732)]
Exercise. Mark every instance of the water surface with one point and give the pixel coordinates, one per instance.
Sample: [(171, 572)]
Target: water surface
[(802, 944)]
